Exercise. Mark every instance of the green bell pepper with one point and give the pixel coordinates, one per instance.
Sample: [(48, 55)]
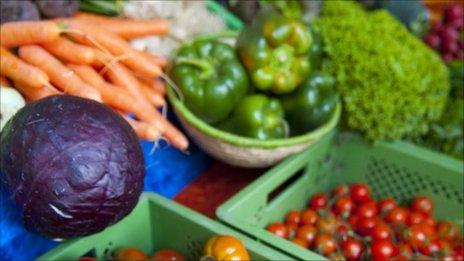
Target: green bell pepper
[(312, 104), (276, 52), (210, 77), (316, 52), (257, 116)]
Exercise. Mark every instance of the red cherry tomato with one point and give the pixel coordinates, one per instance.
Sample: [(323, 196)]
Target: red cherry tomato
[(417, 235), (367, 209), (360, 192), (307, 233), (383, 250), (87, 258), (430, 221), (448, 230), (309, 217), (430, 248), (386, 205), (352, 249), (352, 220), (342, 231), (318, 201), (343, 206), (278, 229), (458, 254), (167, 255), (381, 231), (405, 250), (292, 228), (422, 204), (415, 218), (327, 223), (293, 218), (365, 225), (397, 216), (325, 244), (300, 242), (341, 190)]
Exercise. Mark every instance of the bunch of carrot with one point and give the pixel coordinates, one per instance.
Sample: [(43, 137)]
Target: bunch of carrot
[(89, 56)]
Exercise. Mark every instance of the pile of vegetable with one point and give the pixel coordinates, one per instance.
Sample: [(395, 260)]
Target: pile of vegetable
[(391, 84), (71, 165), (347, 224), (267, 87), (72, 56), (220, 247)]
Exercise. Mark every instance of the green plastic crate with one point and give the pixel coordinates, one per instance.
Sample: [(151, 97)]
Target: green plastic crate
[(154, 224), (397, 169)]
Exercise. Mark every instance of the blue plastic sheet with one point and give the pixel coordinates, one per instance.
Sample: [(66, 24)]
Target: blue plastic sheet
[(168, 171)]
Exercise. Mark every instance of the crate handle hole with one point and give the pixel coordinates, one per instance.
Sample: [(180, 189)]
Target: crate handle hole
[(283, 187)]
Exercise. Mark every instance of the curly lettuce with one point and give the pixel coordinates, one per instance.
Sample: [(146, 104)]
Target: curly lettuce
[(391, 84)]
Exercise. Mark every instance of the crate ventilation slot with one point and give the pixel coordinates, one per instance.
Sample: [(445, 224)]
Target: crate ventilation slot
[(387, 179)]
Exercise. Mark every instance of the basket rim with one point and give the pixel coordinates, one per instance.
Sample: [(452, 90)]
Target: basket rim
[(233, 139)]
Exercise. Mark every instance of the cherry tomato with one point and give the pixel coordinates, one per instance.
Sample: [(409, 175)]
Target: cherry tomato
[(458, 254), (352, 249), (386, 205), (430, 221), (278, 229), (352, 220), (309, 217), (86, 258), (397, 216), (360, 192), (405, 250), (300, 242), (430, 248), (318, 201), (448, 230), (307, 233), (129, 253), (336, 257), (381, 231), (342, 231), (415, 218), (167, 255), (292, 228), (422, 204), (367, 209), (327, 223), (383, 250), (365, 225), (417, 235), (343, 206), (293, 218), (325, 244), (341, 190), (399, 258)]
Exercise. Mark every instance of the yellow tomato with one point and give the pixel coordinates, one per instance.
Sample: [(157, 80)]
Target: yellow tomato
[(223, 248)]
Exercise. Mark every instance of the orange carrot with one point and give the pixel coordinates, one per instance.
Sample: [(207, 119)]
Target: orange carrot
[(21, 33), (144, 130), (153, 97), (161, 61), (4, 81), (112, 95), (157, 85), (17, 70), (114, 44), (33, 94), (69, 51), (127, 28), (60, 75)]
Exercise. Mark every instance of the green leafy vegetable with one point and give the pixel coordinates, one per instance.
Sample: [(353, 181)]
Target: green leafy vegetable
[(391, 84)]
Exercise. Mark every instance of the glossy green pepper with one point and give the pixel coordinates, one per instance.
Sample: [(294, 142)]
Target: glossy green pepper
[(312, 104), (210, 77), (257, 116), (316, 52), (276, 52)]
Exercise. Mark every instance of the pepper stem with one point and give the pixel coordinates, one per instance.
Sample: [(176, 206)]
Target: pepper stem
[(206, 67)]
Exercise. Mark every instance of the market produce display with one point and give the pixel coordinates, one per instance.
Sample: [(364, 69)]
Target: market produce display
[(392, 86), (217, 248), (72, 166), (348, 224)]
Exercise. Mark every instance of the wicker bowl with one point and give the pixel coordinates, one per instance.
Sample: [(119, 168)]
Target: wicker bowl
[(241, 151)]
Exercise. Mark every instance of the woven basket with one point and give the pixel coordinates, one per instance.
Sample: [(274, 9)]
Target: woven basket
[(241, 151)]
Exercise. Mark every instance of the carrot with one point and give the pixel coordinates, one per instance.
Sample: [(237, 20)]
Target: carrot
[(21, 33), (60, 75), (127, 28), (114, 44), (161, 61), (112, 95), (4, 81), (17, 70), (32, 93), (157, 85), (144, 130), (153, 97), (69, 51)]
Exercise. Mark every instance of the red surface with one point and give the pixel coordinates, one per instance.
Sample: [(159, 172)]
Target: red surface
[(217, 184)]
